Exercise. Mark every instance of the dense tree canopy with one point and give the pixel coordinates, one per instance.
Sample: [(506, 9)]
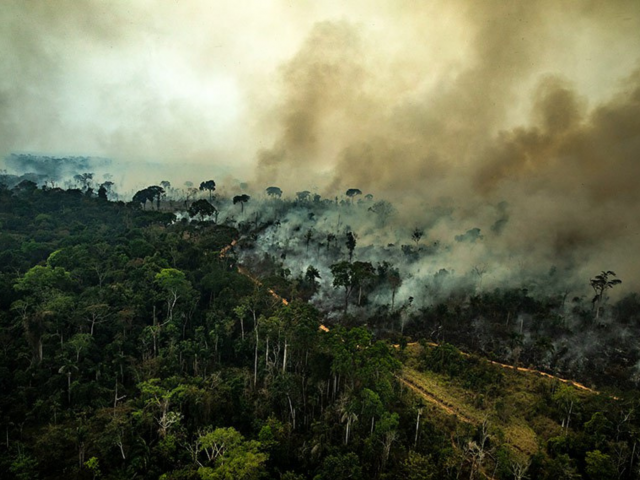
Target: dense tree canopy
[(137, 343)]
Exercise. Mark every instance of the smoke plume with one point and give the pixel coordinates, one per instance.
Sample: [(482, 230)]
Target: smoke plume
[(513, 112), (520, 119)]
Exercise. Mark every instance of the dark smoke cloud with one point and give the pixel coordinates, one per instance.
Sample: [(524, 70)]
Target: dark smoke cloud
[(322, 82), (339, 89), (507, 122), (437, 106)]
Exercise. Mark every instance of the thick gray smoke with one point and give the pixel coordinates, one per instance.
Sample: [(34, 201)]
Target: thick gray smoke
[(507, 122), (517, 118)]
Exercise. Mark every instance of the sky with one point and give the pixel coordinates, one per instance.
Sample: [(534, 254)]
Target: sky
[(471, 103)]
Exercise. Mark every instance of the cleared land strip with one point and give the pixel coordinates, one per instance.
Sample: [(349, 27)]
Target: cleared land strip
[(419, 385), (517, 433), (548, 375), (432, 399), (520, 369)]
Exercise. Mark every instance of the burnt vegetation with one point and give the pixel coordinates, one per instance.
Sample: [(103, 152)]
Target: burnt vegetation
[(172, 333)]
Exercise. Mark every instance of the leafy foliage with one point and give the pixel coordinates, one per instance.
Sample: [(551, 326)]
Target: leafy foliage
[(131, 346)]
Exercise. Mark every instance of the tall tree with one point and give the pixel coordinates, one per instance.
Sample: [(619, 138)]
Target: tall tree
[(149, 194), (229, 456), (274, 192), (156, 191), (351, 244), (158, 402), (241, 199), (308, 237), (202, 208), (600, 284), (416, 235), (43, 299), (208, 185), (84, 179), (353, 192), (394, 279), (105, 189), (311, 275), (364, 274), (303, 196), (142, 197), (175, 286), (344, 275)]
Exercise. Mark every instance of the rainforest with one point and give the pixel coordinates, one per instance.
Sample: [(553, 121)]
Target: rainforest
[(188, 334), (387, 239)]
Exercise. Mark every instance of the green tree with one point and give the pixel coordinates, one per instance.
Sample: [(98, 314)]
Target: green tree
[(387, 433), (155, 191), (142, 197), (566, 399), (42, 301), (346, 467), (371, 406), (364, 275), (600, 466), (175, 285), (418, 467), (344, 275), (149, 194), (93, 465), (67, 369), (202, 208), (228, 456), (79, 343), (562, 467), (395, 281), (24, 467), (311, 277), (360, 362), (158, 402), (84, 180)]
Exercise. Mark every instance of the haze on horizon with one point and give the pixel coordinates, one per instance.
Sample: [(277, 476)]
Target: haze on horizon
[(536, 104)]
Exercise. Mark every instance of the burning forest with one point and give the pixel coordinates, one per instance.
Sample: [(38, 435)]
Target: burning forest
[(342, 240)]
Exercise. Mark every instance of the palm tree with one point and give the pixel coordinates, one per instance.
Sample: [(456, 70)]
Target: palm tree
[(600, 285), (347, 415)]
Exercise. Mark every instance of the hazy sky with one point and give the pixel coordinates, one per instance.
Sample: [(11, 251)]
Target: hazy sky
[(532, 102), (216, 81)]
